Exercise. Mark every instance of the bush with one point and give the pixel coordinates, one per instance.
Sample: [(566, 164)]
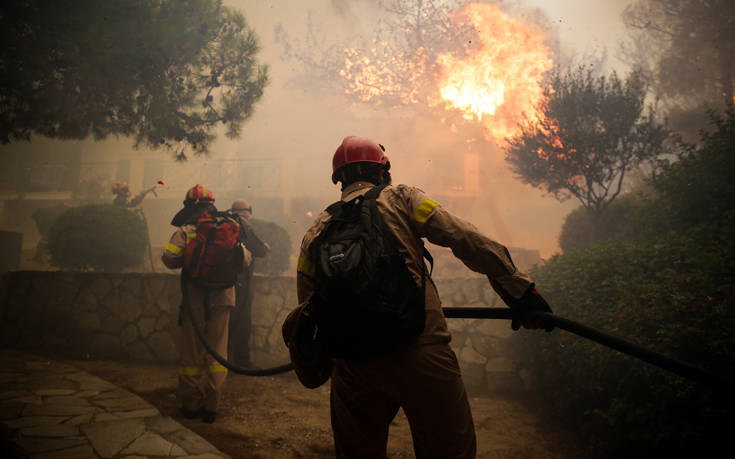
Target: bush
[(669, 296), (624, 218), (669, 288), (278, 259), (101, 237)]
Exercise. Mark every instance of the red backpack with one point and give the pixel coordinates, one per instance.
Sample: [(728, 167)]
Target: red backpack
[(214, 258)]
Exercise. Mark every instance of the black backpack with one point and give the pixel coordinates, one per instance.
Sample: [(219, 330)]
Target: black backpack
[(366, 302)]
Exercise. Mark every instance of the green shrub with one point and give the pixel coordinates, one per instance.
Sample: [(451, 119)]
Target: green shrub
[(278, 259), (624, 218), (670, 288), (671, 296), (101, 237)]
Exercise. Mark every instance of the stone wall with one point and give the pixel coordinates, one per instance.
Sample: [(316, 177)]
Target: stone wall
[(135, 315)]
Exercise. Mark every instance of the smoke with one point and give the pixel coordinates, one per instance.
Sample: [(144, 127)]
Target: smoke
[(282, 161)]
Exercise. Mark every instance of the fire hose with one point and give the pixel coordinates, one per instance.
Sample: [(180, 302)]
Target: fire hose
[(223, 361), (681, 368)]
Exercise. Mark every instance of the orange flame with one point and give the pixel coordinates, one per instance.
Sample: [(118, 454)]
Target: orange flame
[(500, 79)]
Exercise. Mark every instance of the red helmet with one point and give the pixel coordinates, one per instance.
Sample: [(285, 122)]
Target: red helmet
[(358, 150), (197, 194)]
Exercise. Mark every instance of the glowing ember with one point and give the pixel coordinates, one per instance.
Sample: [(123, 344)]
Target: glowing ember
[(499, 79)]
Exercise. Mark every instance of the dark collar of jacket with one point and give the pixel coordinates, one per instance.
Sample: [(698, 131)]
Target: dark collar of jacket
[(355, 189), (190, 214)]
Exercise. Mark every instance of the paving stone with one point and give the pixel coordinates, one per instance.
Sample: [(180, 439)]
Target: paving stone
[(126, 403), (205, 456), (86, 379), (81, 419), (106, 417), (176, 450), (77, 452), (11, 394), (58, 410), (146, 413), (114, 393), (41, 445), (28, 399), (32, 421), (66, 400), (54, 392), (51, 430), (11, 410), (192, 444), (149, 444), (109, 438), (162, 424)]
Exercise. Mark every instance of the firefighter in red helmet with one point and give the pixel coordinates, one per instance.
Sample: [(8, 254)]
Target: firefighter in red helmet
[(201, 377), (422, 377)]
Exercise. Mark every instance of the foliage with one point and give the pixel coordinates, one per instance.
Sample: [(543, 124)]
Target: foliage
[(100, 237), (278, 259), (162, 71), (668, 288), (686, 48), (700, 185), (622, 219), (593, 131)]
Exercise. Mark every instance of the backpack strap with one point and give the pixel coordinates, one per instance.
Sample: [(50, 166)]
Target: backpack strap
[(335, 208), (430, 259)]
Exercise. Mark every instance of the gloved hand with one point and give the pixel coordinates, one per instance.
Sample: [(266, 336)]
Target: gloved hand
[(530, 301)]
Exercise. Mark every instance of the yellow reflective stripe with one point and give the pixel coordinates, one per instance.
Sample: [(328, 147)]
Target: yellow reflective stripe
[(190, 371), (190, 236), (422, 212), (217, 368), (173, 248), (204, 191), (305, 266)]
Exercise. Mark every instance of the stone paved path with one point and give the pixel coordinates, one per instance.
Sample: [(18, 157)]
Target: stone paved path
[(53, 410)]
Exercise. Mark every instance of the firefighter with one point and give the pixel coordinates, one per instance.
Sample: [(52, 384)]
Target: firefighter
[(201, 377), (121, 190), (240, 320), (423, 378)]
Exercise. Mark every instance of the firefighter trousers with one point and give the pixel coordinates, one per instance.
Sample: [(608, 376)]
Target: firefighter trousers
[(201, 377), (425, 381)]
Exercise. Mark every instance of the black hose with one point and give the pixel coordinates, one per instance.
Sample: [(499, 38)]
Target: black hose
[(679, 367), (231, 366)]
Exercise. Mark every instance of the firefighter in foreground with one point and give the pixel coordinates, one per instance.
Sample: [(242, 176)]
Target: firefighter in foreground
[(201, 377), (418, 371)]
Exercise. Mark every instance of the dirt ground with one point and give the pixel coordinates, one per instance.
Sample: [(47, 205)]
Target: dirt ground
[(276, 417)]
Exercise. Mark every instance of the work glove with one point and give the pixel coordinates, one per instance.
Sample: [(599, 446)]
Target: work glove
[(530, 301)]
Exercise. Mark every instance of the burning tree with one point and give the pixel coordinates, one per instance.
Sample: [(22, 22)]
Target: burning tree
[(471, 61), (591, 132)]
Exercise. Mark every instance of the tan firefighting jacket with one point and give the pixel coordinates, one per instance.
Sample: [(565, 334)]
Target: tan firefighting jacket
[(411, 215), (173, 258)]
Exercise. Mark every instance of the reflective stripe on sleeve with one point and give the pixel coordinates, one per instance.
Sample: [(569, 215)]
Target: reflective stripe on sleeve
[(173, 248), (422, 212), (190, 371), (190, 236), (216, 368), (305, 266)]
